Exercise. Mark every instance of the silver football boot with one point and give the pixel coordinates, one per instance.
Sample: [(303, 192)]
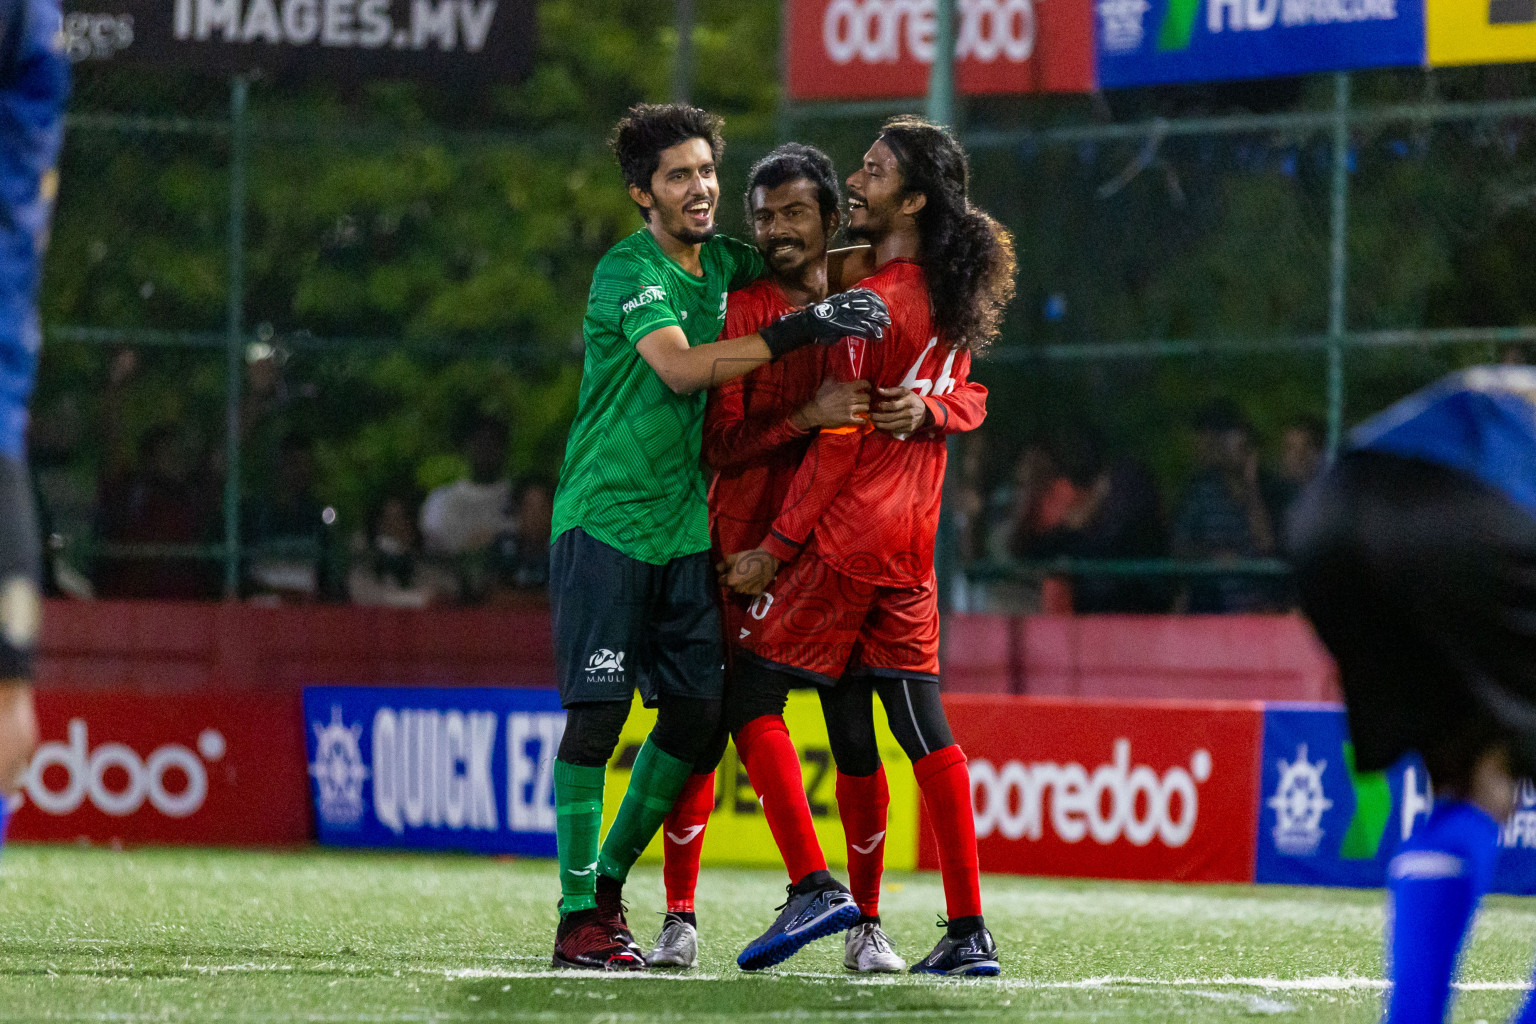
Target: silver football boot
[(868, 950), (676, 946)]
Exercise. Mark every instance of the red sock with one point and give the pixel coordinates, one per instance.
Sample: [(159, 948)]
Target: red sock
[(946, 786), (684, 841), (774, 770), (861, 803)]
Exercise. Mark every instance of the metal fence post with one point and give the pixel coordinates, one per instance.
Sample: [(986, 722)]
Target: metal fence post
[(239, 95), (1338, 262), (941, 78), (682, 67)]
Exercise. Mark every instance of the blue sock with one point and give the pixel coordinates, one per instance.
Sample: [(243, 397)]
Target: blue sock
[(5, 817), (1435, 883)]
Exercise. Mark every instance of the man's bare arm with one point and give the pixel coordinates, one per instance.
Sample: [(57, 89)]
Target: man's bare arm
[(687, 369)]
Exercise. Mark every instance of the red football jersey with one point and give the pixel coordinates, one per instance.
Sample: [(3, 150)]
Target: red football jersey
[(749, 439), (872, 500)]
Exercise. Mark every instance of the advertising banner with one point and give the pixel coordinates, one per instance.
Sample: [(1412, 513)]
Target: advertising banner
[(1154, 790), (1323, 823), (1481, 31), (1147, 42), (201, 767), (338, 40), (434, 768), (868, 49), (738, 833)]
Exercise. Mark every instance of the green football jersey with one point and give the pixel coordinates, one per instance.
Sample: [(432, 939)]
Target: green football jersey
[(633, 477)]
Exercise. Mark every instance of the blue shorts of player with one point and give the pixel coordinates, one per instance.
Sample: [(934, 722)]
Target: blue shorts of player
[(34, 83)]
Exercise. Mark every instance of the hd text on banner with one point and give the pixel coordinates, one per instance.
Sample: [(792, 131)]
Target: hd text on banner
[(1149, 42), (1323, 823)]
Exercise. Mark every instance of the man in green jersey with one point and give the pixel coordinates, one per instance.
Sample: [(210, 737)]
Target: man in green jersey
[(632, 587)]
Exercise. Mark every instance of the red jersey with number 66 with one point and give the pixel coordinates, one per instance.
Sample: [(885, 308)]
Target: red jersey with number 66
[(872, 500)]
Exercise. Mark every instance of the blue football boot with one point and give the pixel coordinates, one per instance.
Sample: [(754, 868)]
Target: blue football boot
[(972, 955), (817, 907)]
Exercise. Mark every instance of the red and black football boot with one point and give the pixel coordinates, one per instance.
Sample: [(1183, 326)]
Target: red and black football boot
[(610, 908), (586, 942)]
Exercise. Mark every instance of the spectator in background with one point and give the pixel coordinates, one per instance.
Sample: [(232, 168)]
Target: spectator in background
[(1226, 514), (167, 498), (1115, 513), (390, 571), (289, 552), (1302, 445), (521, 555), (462, 520)]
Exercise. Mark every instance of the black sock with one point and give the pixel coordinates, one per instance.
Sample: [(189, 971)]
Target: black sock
[(609, 886), (873, 919), (813, 881), (685, 916), (960, 927)]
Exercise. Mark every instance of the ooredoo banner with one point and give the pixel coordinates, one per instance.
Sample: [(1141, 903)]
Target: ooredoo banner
[(205, 767), (1151, 790), (865, 49), (1324, 823), (434, 768), (1148, 42)]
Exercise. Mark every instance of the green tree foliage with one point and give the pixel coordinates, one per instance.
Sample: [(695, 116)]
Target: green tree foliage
[(451, 234), (450, 237)]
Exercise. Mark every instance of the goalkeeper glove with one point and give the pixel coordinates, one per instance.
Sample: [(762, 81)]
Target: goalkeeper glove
[(858, 313)]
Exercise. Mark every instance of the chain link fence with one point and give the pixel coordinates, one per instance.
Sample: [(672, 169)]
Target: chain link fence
[(276, 326)]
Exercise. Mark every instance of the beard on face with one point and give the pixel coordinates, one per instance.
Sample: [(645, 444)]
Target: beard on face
[(693, 237), (781, 257)]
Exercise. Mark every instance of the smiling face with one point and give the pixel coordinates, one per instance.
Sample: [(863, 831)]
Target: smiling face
[(788, 226), (684, 192), (876, 200)]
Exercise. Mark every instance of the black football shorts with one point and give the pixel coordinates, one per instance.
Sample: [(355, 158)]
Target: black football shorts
[(623, 625)]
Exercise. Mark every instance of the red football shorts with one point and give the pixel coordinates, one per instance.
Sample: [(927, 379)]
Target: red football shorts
[(818, 623)]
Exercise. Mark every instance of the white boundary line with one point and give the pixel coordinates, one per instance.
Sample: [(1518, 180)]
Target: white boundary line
[(1318, 984)]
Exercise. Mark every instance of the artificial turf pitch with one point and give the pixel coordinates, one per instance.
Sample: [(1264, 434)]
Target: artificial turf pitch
[(200, 936)]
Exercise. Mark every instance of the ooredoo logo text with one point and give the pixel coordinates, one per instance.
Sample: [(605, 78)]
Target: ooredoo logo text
[(1117, 800), (885, 31), (117, 780)]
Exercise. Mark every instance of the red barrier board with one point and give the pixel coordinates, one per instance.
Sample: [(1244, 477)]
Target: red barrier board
[(202, 767), (865, 49), (1099, 789)]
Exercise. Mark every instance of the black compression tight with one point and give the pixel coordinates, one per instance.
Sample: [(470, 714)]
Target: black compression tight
[(912, 706), (685, 728)]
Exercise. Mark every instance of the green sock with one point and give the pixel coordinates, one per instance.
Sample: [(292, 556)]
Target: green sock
[(578, 820), (654, 783)]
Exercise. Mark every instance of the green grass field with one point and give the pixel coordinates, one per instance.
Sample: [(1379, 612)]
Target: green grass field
[(164, 936)]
